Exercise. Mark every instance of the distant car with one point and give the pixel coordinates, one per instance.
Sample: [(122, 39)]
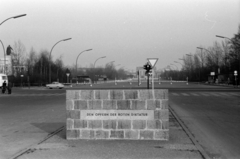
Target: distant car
[(55, 85)]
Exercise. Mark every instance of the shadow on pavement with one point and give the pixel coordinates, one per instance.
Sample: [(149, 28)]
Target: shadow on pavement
[(51, 128)]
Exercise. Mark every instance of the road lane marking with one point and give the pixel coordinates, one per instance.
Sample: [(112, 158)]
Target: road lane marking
[(214, 94), (185, 94), (225, 94), (194, 94), (235, 94), (205, 94), (175, 94)]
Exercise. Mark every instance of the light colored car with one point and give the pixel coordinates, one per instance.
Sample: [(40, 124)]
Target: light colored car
[(55, 85)]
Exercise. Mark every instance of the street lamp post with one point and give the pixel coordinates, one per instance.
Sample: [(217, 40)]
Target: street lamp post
[(180, 64), (49, 60), (110, 62), (115, 74), (177, 71), (234, 44), (213, 55), (14, 17), (191, 68), (187, 73), (79, 55), (95, 63), (201, 61), (199, 69)]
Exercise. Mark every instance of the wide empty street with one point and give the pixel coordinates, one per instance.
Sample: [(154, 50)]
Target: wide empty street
[(210, 114)]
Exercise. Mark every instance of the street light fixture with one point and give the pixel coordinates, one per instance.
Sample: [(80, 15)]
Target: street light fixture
[(220, 36), (50, 57), (97, 60), (110, 62), (204, 49), (201, 60), (95, 63), (174, 65), (227, 38), (178, 62), (14, 17), (79, 55)]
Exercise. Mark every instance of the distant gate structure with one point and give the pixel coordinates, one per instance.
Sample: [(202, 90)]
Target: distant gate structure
[(81, 79)]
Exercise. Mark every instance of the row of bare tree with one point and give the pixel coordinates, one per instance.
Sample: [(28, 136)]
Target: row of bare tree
[(36, 66), (221, 58)]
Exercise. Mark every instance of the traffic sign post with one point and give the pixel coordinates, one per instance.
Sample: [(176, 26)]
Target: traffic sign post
[(153, 62), (147, 67)]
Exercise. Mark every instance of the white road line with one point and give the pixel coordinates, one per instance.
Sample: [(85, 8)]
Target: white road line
[(194, 94), (214, 94), (235, 94), (204, 94), (185, 94), (225, 94), (175, 94)]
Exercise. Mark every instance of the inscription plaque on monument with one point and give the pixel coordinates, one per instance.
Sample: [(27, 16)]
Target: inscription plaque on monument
[(117, 115)]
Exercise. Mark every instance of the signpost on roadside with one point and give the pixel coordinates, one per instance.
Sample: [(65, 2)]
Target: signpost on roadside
[(152, 62), (148, 68), (235, 74), (213, 74), (67, 77)]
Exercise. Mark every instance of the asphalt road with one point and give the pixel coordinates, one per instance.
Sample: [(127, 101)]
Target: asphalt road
[(28, 116), (211, 113), (213, 117)]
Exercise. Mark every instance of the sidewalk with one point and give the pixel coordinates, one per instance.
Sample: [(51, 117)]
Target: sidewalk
[(57, 147)]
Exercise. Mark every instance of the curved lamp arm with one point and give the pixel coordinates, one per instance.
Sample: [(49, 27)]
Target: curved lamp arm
[(80, 54), (98, 59), (228, 39), (17, 16), (56, 44)]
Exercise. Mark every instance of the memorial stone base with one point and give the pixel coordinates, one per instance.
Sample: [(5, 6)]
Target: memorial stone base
[(117, 114)]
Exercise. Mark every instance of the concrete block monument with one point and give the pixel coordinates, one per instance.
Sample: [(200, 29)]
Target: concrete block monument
[(117, 114)]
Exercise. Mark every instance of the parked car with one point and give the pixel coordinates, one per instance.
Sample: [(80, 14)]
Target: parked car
[(55, 85)]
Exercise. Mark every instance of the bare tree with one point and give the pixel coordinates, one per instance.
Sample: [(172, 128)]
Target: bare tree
[(31, 61), (19, 55)]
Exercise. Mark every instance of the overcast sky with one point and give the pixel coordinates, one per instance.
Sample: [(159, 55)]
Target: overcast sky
[(126, 31)]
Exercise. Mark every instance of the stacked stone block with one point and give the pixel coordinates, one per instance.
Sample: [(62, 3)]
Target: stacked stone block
[(156, 128)]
